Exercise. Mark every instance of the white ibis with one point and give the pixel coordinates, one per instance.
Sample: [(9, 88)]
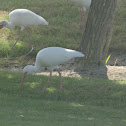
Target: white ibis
[(84, 5), (24, 18), (50, 58)]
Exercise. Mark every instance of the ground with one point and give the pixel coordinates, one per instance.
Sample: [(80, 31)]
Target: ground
[(111, 72)]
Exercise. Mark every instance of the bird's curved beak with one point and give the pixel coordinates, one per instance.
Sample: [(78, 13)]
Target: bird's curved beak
[(23, 77), (1, 26)]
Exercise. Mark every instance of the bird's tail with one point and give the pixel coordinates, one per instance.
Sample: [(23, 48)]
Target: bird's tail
[(42, 21), (45, 22), (77, 54)]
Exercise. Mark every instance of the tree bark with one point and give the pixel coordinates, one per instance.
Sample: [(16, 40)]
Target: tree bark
[(98, 32)]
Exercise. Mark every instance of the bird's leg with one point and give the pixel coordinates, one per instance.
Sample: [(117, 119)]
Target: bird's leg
[(85, 18), (61, 86), (80, 17), (17, 39), (50, 77), (29, 32), (29, 51)]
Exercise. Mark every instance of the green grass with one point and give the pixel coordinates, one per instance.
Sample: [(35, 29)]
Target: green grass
[(63, 29), (119, 38), (85, 101)]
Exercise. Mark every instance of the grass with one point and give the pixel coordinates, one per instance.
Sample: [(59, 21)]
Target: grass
[(63, 29), (59, 31), (84, 101), (119, 29)]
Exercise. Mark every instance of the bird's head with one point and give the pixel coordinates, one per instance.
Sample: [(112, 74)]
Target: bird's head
[(27, 70), (3, 24)]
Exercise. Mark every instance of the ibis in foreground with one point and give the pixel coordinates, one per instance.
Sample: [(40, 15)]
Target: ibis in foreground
[(50, 58), (23, 18)]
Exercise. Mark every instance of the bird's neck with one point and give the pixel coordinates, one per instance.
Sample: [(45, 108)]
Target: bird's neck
[(9, 25), (35, 69)]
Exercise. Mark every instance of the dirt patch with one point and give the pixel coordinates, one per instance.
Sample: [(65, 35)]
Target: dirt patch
[(110, 72), (3, 13), (116, 72)]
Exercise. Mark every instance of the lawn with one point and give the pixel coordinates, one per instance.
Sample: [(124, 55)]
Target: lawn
[(85, 101), (63, 29)]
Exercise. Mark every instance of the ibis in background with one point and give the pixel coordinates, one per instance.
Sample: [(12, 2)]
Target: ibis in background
[(50, 58), (23, 18), (84, 5)]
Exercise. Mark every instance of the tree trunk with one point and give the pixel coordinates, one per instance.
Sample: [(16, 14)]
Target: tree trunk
[(98, 32)]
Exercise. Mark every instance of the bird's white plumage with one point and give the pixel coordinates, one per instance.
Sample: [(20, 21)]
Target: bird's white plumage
[(26, 18), (23, 18), (82, 3), (51, 57)]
